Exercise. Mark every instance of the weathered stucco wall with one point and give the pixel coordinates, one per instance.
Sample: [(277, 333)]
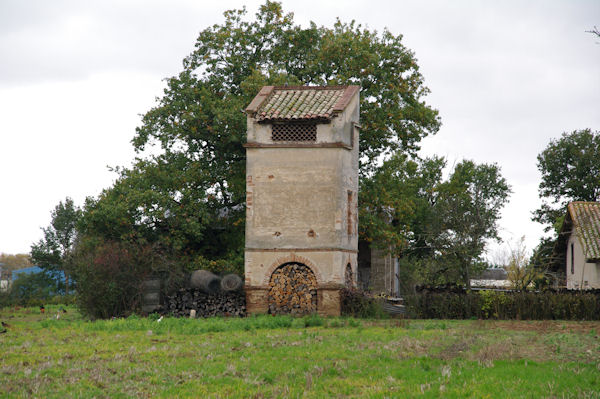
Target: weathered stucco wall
[(293, 206), (583, 272)]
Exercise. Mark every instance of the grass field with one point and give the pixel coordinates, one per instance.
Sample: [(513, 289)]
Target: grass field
[(263, 357)]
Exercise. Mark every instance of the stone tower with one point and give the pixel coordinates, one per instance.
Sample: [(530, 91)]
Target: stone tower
[(301, 197)]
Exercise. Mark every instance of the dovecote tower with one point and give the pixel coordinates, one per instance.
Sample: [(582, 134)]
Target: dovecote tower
[(301, 198)]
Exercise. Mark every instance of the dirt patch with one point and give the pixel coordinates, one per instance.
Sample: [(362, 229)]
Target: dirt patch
[(407, 347), (456, 349), (495, 351)]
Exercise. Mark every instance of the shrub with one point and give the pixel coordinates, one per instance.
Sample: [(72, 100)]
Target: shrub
[(358, 303), (5, 300), (232, 263), (110, 275)]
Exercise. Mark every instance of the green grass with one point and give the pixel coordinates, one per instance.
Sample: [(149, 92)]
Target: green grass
[(313, 357)]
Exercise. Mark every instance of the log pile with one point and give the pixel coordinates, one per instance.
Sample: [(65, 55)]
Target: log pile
[(293, 290), (205, 281), (229, 304), (231, 282)]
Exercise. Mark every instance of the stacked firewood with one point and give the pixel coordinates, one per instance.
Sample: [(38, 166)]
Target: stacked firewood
[(293, 290), (182, 301)]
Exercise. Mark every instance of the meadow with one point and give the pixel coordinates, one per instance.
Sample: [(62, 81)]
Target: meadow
[(313, 357)]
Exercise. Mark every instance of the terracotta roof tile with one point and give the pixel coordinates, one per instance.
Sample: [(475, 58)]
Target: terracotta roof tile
[(289, 103), (586, 220)]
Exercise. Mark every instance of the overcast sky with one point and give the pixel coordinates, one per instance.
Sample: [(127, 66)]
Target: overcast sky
[(506, 76)]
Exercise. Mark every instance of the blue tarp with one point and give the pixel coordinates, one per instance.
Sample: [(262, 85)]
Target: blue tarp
[(58, 275)]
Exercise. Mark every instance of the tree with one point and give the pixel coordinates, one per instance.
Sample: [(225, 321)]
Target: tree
[(548, 263), (570, 168), (52, 252), (439, 227), (30, 287), (397, 203), (190, 194), (521, 272), (469, 209)]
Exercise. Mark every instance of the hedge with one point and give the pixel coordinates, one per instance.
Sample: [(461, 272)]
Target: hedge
[(544, 305), (358, 303)]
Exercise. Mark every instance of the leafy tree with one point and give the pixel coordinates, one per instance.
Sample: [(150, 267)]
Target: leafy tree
[(470, 204), (570, 168), (52, 252), (144, 208), (439, 227), (189, 196), (397, 203)]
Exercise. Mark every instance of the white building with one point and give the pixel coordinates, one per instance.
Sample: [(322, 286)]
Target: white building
[(579, 243)]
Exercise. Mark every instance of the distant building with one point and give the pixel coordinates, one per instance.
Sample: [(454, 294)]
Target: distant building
[(579, 245), (491, 278), (378, 270), (4, 278)]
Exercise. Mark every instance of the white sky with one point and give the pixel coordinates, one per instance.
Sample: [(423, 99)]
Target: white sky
[(506, 76)]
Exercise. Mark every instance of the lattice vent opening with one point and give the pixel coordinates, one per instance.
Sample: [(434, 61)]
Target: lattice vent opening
[(294, 132)]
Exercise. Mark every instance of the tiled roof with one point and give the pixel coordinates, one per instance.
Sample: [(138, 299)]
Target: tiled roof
[(586, 221), (290, 103)]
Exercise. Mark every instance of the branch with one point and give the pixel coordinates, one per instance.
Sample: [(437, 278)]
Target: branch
[(594, 31)]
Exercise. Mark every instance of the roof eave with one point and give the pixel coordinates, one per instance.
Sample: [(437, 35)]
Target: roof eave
[(257, 101), (343, 102), (298, 120)]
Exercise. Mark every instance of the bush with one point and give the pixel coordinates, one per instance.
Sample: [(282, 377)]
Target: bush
[(232, 263), (545, 305), (358, 303), (5, 300), (110, 276)]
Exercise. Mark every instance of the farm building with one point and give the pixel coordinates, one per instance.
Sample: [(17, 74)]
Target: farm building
[(579, 245), (491, 278), (4, 278), (301, 206), (377, 270)]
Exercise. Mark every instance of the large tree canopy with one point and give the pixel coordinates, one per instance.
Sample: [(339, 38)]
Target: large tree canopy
[(570, 168), (189, 195), (439, 225)]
